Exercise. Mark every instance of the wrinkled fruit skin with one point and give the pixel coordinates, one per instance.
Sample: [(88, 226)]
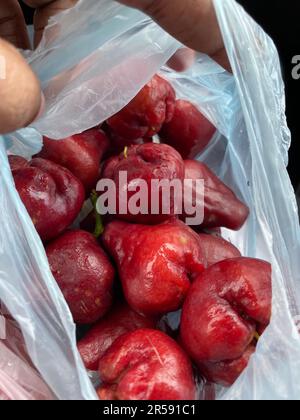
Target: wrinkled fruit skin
[(224, 308), (121, 320), (146, 365), (147, 112), (216, 249), (81, 154), (189, 131), (156, 263), (83, 273), (52, 195), (222, 208), (147, 162)]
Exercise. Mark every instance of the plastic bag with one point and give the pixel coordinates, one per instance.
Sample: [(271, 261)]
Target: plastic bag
[(92, 61), (18, 378)]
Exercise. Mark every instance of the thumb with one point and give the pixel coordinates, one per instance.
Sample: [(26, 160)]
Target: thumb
[(19, 90), (192, 22)]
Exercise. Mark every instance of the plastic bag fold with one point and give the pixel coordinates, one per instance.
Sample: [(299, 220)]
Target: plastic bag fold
[(92, 61)]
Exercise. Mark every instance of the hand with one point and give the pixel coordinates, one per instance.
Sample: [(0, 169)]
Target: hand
[(21, 100), (192, 22)]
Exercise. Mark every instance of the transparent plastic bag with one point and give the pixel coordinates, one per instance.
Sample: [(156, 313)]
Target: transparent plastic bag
[(92, 61), (19, 380)]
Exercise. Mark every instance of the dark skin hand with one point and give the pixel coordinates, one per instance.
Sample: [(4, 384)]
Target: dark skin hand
[(192, 22), (21, 98)]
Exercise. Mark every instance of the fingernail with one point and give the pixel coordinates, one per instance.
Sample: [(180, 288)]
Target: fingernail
[(42, 108)]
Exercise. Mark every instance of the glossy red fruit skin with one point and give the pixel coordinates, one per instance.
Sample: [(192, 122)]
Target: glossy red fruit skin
[(155, 263), (146, 162), (216, 249), (120, 320), (52, 195), (146, 365), (224, 308), (189, 131), (147, 112), (84, 274), (81, 154), (222, 208)]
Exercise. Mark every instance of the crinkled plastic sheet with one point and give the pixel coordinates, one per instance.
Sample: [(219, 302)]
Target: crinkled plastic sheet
[(92, 61), (18, 378)]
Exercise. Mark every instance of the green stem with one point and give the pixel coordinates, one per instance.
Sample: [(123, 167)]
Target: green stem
[(99, 228)]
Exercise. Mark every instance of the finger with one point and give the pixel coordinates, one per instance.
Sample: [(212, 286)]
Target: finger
[(192, 22), (46, 9), (19, 90), (182, 60), (12, 24)]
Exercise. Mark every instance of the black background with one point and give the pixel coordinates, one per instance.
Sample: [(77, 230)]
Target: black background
[(280, 18)]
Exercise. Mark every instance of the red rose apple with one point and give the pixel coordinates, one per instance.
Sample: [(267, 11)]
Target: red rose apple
[(81, 154), (216, 249), (147, 112), (222, 208), (156, 263), (84, 274), (146, 365), (120, 320), (52, 195), (147, 163), (189, 131), (224, 309)]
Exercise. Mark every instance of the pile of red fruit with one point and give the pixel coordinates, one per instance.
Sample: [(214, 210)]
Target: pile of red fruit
[(162, 264)]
